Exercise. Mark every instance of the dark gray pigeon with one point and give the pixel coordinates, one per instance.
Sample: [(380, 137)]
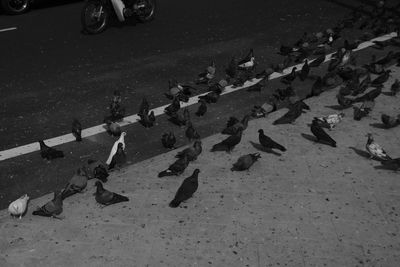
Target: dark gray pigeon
[(105, 197), (229, 143), (49, 153), (245, 162), (267, 142), (321, 135), (53, 208), (168, 140), (186, 190), (77, 184), (176, 168), (77, 130)]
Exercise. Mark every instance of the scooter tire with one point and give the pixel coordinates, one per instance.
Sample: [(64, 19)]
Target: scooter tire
[(87, 16)]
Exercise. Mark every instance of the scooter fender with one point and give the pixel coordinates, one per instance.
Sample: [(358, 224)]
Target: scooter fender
[(119, 9)]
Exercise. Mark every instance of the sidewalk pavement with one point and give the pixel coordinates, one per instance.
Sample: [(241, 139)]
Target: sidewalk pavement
[(313, 205)]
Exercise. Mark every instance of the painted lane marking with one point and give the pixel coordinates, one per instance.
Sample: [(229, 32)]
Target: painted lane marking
[(8, 29), (25, 149)]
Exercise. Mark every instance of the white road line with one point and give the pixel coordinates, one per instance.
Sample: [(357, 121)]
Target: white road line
[(21, 150), (8, 29)]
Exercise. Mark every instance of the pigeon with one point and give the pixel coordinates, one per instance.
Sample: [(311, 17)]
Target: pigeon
[(186, 190), (395, 87), (359, 113), (53, 208), (364, 84), (321, 135), (317, 62), (305, 70), (49, 153), (210, 97), (114, 148), (245, 162), (261, 111), (317, 88), (113, 128), (144, 107), (119, 158), (173, 107), (77, 184), (191, 152), (375, 150), (229, 143), (256, 87), (280, 67), (294, 112), (390, 121), (248, 62), (77, 130), (95, 169), (206, 76), (202, 108), (168, 140), (232, 69), (117, 112), (176, 168), (179, 91), (370, 96), (234, 124), (147, 119), (18, 207), (374, 68), (378, 81), (283, 94), (267, 142), (330, 120), (191, 133), (105, 197), (343, 101), (178, 119), (288, 79), (386, 59)]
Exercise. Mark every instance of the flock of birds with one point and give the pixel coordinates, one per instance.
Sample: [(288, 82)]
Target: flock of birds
[(342, 69)]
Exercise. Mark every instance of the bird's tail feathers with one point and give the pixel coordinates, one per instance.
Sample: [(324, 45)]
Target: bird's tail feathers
[(174, 203), (165, 173)]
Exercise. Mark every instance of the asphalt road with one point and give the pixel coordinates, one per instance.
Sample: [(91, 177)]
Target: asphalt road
[(51, 72)]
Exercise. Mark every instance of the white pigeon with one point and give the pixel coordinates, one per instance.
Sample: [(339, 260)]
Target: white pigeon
[(18, 207), (375, 150), (331, 120), (114, 148)]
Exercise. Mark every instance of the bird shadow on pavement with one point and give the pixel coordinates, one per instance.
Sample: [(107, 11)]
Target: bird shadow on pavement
[(378, 125), (360, 152), (387, 93), (312, 138), (335, 107), (386, 168), (263, 149)]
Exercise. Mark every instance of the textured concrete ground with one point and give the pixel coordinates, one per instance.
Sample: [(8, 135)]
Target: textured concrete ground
[(313, 205)]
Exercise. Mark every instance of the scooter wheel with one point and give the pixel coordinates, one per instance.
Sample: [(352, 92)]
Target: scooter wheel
[(94, 17)]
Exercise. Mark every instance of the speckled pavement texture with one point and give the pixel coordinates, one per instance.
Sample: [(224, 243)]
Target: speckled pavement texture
[(312, 205)]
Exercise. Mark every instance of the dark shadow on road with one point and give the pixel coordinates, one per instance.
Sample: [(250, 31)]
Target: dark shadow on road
[(310, 137), (387, 168), (387, 93), (263, 149), (336, 107), (378, 125), (360, 152)]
